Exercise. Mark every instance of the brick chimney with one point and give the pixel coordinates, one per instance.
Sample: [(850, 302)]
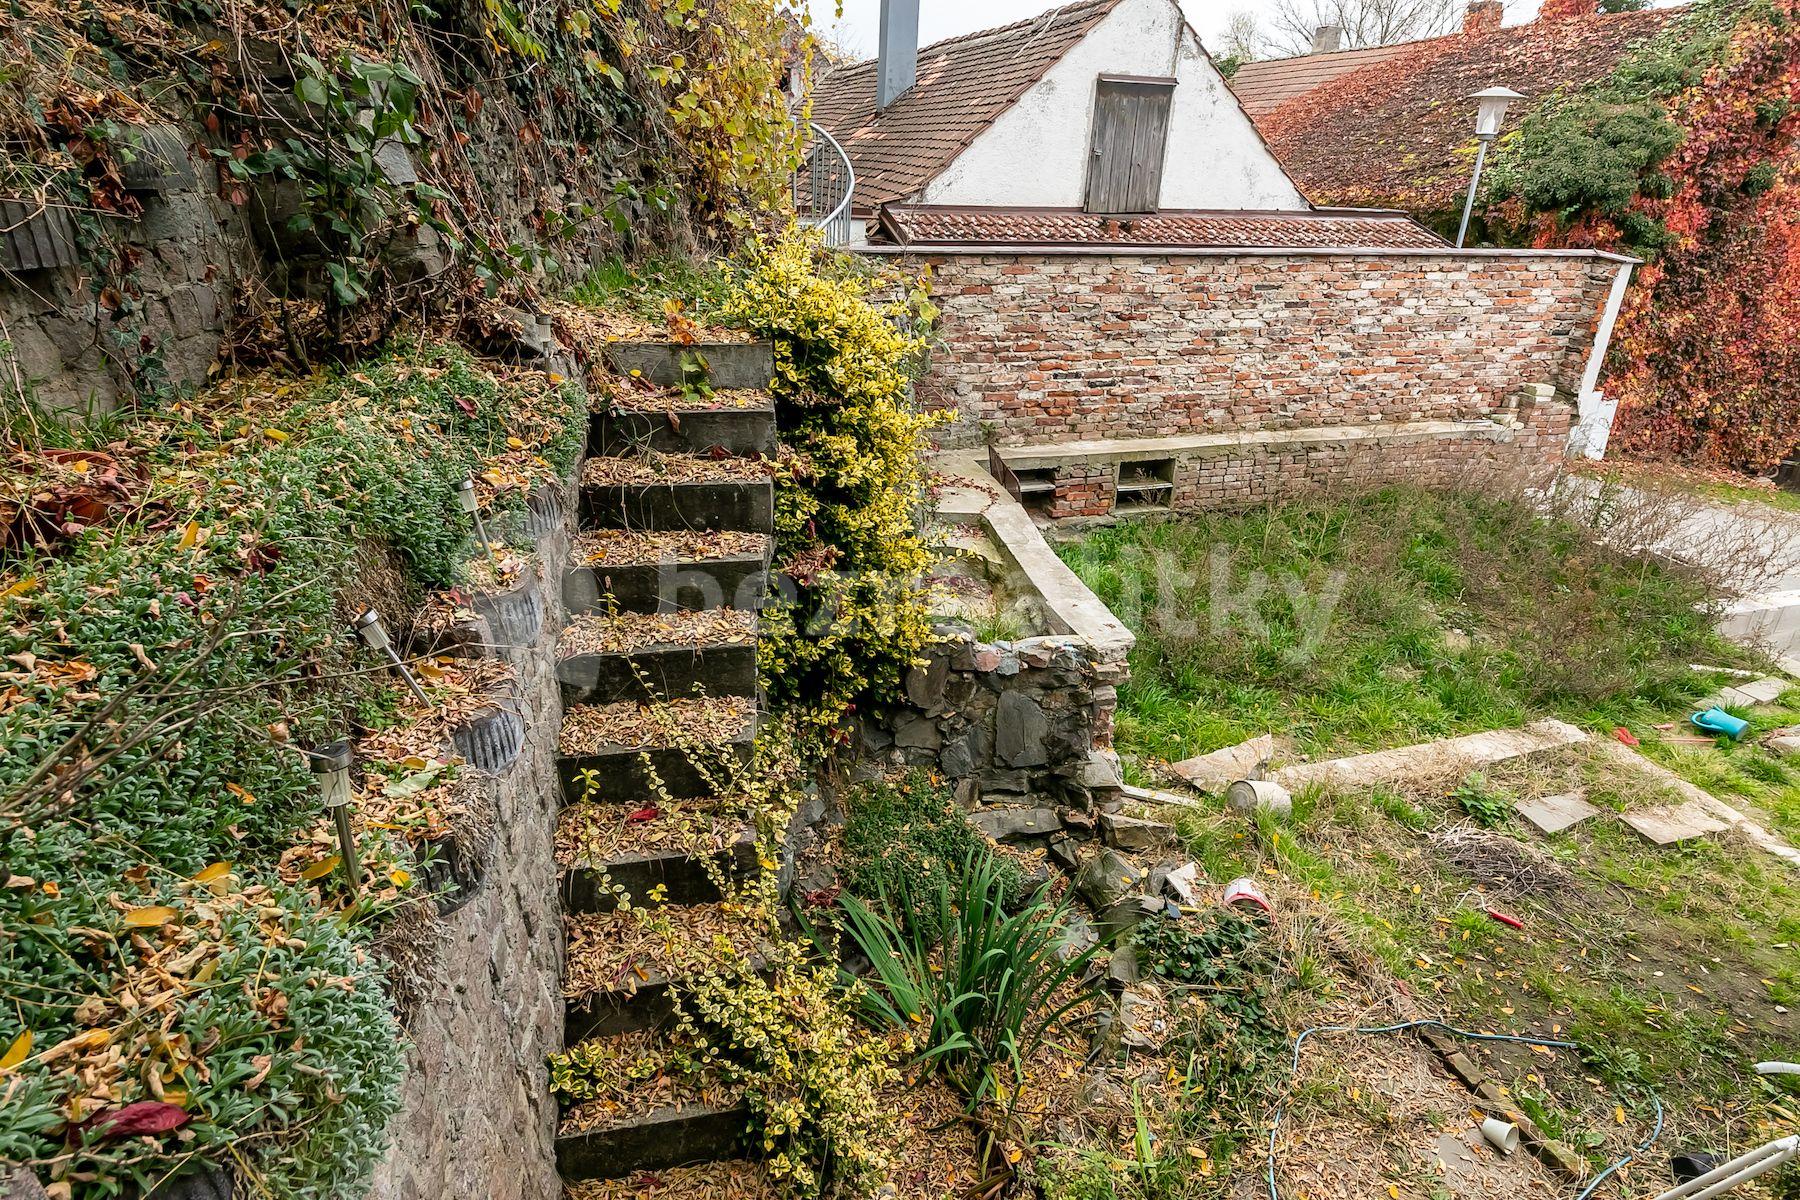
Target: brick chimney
[(1327, 39), (1483, 16)]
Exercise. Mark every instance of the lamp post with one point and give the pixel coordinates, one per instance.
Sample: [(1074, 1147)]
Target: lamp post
[(374, 635), (1493, 103), (332, 767), (471, 504)]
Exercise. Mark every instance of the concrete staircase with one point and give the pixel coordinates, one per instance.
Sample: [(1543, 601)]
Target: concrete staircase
[(661, 702)]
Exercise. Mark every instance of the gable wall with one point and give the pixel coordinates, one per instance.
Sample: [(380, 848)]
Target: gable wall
[(1036, 153)]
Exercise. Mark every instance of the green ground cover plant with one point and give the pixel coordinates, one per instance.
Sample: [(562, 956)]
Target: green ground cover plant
[(166, 656), (1400, 615)]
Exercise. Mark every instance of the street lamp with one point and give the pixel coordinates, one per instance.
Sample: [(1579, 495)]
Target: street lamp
[(332, 767), (1493, 104)]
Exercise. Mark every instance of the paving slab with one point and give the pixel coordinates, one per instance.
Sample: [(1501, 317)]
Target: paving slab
[(1433, 758), (1553, 814), (1667, 824), (1757, 691), (1702, 801), (1218, 770)]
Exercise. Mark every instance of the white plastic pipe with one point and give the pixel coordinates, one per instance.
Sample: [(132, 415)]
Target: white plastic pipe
[(1738, 1171)]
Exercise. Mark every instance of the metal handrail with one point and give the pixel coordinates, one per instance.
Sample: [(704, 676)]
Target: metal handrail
[(836, 221)]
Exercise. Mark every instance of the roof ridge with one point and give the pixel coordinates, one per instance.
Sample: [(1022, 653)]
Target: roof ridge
[(1072, 9)]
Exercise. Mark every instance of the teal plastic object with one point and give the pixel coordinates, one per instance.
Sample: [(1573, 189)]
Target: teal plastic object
[(1720, 723)]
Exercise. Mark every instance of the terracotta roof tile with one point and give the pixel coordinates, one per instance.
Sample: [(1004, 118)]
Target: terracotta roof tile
[(1399, 132), (964, 84), (929, 225), (1263, 86)]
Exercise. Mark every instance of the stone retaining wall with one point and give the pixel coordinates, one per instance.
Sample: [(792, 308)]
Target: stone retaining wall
[(1008, 722)]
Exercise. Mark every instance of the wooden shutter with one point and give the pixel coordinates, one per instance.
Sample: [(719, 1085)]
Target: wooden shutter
[(1131, 130)]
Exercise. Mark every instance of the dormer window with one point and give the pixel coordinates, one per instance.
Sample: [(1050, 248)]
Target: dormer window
[(1131, 131)]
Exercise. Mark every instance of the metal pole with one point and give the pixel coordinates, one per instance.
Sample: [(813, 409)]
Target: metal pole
[(1474, 183)]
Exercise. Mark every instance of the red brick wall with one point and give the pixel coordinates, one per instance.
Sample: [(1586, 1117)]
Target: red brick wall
[(1045, 348)]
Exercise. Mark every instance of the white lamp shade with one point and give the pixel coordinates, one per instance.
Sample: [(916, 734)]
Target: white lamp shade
[(1493, 103)]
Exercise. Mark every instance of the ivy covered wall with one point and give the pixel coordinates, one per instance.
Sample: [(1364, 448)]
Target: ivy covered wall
[(281, 184)]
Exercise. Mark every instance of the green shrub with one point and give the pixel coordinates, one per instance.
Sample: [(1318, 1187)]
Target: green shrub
[(908, 831), (1000, 989), (1485, 805)]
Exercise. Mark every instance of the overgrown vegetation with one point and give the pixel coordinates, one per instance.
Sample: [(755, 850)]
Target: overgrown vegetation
[(367, 146), (849, 497), (908, 832), (1396, 616), (174, 608), (988, 992), (1684, 155)]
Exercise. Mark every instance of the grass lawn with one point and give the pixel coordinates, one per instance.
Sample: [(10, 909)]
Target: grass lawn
[(1677, 967), (1388, 618)]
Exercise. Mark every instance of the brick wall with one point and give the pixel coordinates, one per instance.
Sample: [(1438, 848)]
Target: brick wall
[(1050, 347)]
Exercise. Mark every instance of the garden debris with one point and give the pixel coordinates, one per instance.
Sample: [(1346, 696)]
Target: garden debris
[(589, 835), (705, 721), (583, 326), (621, 950), (1252, 796), (622, 1079), (736, 1180), (50, 496), (1553, 814), (1451, 757), (650, 470), (1507, 864), (460, 690), (1699, 802), (1245, 890), (619, 547), (627, 633), (1214, 772), (1183, 883), (1108, 878), (623, 394)]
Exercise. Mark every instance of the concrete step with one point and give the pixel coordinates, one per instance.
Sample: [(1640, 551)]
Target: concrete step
[(648, 1109), (734, 1179), (629, 753), (669, 1137), (659, 572), (668, 364), (660, 656), (677, 492), (672, 422), (663, 852), (624, 966)]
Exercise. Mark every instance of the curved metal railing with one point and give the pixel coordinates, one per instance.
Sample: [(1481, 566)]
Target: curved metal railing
[(824, 185)]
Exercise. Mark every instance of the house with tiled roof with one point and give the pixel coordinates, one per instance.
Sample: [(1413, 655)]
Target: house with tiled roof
[(1100, 121), (1140, 309), (1388, 126)]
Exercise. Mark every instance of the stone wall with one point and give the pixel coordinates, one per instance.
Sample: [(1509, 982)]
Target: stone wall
[(1045, 347), (477, 1117), (1008, 722)]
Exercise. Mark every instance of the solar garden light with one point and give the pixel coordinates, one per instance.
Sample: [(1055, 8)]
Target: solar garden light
[(332, 766), (471, 504), (1492, 104), (368, 626)]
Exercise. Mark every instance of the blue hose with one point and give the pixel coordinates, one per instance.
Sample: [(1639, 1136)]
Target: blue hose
[(1294, 1069)]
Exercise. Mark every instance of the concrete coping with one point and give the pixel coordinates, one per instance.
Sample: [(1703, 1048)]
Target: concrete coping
[(973, 497), (1115, 450), (1052, 250)]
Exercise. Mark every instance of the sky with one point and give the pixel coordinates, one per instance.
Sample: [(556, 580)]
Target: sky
[(858, 30)]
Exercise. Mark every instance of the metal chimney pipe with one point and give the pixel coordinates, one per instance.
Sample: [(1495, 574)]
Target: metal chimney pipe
[(898, 68)]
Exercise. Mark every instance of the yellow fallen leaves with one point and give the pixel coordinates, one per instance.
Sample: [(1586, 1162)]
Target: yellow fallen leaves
[(150, 916), (16, 1053), (322, 868)]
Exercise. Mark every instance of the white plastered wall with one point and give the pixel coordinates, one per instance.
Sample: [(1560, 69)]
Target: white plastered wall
[(1036, 153)]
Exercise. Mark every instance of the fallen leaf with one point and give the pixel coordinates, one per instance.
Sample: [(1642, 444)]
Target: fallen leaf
[(322, 868), (16, 1053), (150, 916)]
